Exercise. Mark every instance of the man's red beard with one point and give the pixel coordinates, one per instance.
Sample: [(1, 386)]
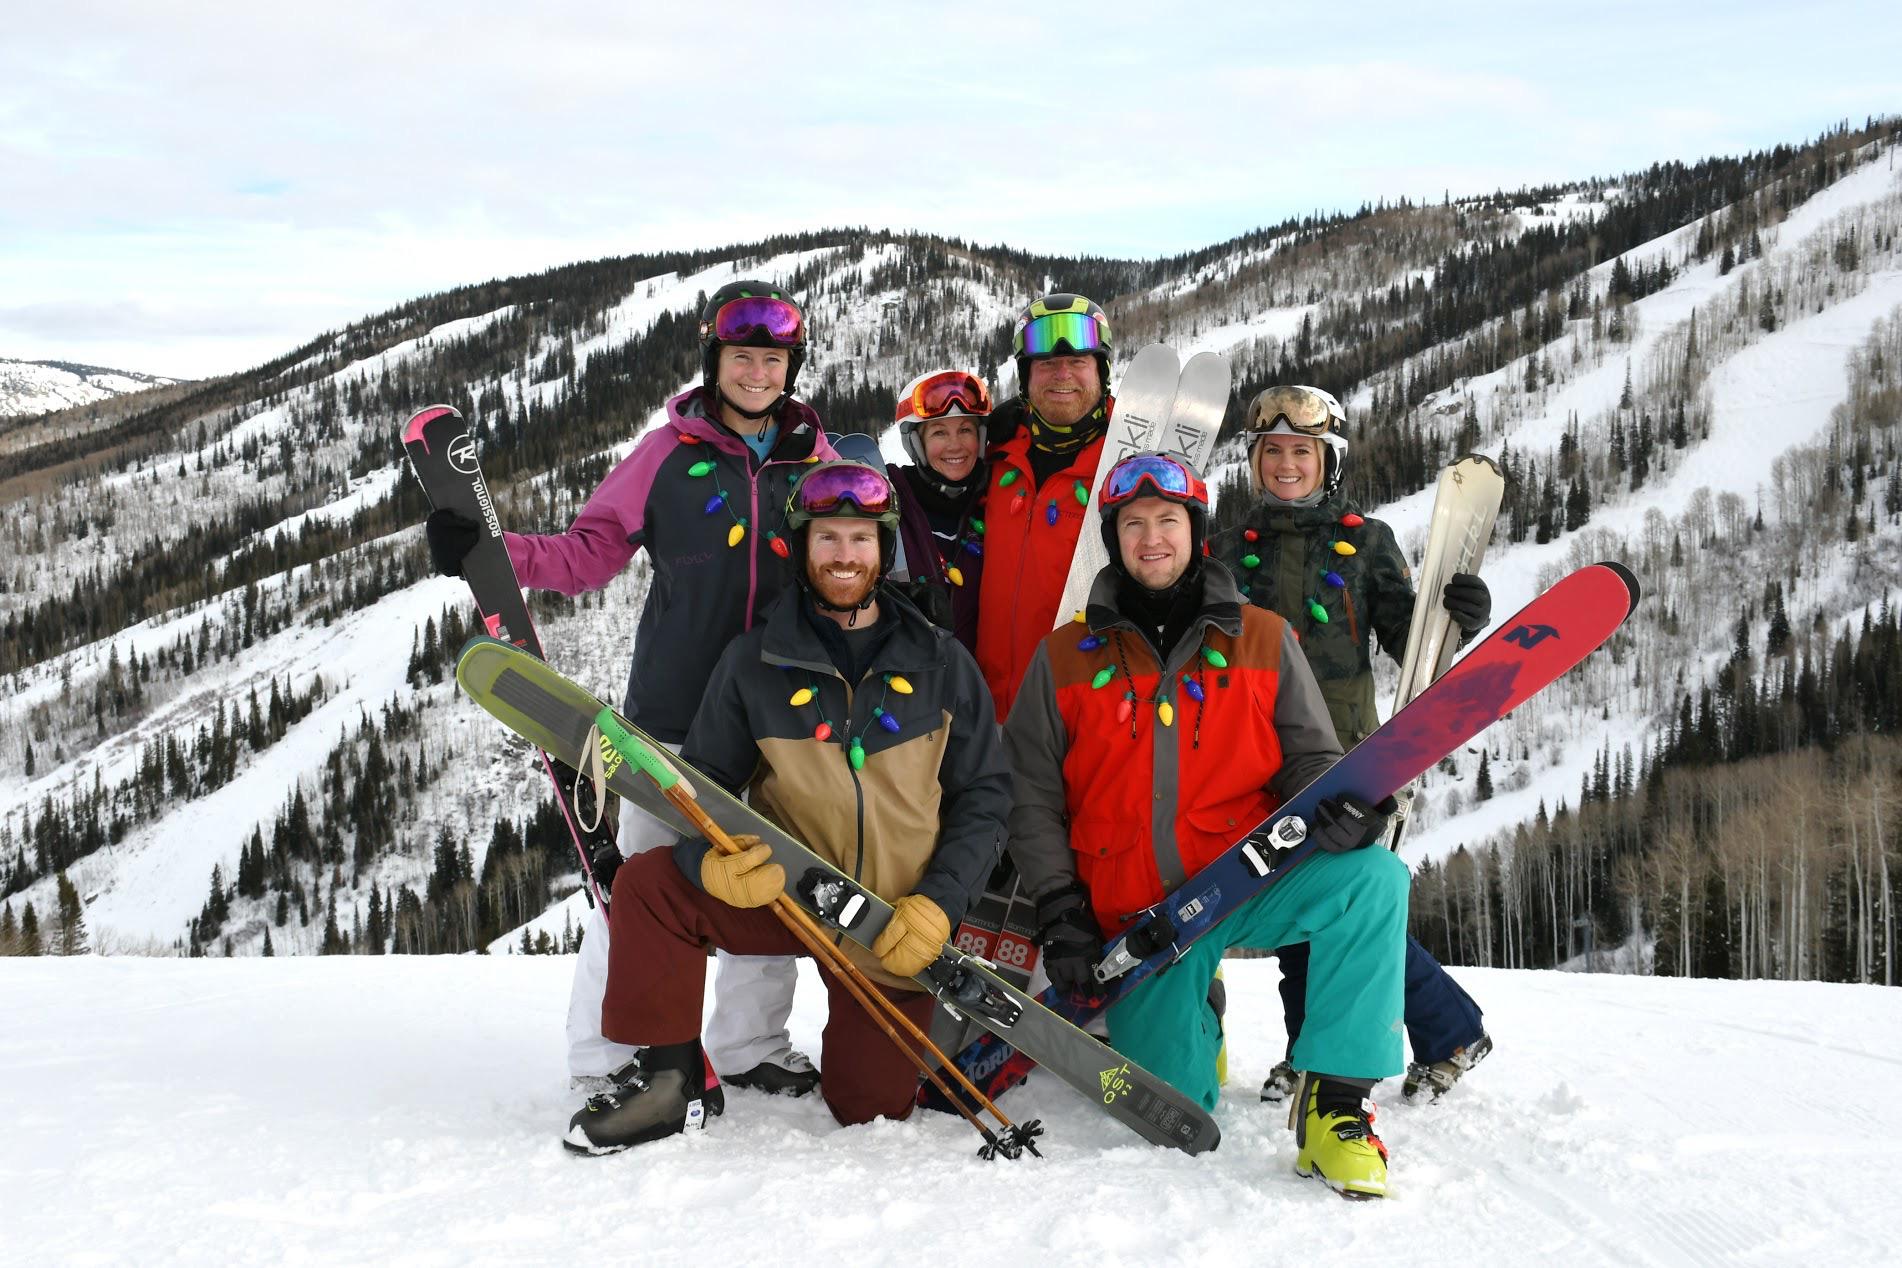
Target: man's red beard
[(844, 594)]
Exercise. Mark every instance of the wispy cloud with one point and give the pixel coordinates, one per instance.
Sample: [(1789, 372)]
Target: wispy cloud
[(307, 166)]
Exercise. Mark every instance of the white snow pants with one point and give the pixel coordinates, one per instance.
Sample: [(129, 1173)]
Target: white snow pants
[(752, 994)]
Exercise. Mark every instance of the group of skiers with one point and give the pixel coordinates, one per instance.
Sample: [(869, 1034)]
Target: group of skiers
[(840, 644)]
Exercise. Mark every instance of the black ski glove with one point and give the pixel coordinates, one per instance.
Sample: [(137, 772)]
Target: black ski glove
[(1468, 601), (452, 535), (1071, 943), (1346, 823)]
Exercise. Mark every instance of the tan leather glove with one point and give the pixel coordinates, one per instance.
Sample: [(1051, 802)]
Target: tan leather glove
[(747, 879), (914, 936)]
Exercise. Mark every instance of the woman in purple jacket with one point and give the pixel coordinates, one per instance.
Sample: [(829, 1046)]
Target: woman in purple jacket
[(942, 416), (704, 494)]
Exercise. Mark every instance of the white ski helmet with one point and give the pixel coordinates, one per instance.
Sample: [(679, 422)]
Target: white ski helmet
[(939, 394)]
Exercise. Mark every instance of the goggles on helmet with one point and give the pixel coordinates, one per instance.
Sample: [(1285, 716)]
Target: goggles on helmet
[(935, 396), (741, 320), (1304, 411), (1053, 333), (825, 490), (1153, 475)]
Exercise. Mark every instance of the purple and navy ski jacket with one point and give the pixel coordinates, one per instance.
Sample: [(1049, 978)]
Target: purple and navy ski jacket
[(705, 591)]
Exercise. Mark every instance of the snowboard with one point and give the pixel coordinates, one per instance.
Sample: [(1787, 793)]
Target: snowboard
[(1464, 507), (1525, 654), (442, 453), (548, 710)]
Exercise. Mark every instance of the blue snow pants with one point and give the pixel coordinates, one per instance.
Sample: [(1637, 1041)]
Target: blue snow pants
[(1352, 910), (1441, 1017)]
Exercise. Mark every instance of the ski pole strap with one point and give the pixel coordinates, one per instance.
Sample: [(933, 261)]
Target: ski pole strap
[(594, 770), (633, 748)]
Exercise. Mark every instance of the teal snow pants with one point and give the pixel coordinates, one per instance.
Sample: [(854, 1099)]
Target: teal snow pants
[(1351, 909)]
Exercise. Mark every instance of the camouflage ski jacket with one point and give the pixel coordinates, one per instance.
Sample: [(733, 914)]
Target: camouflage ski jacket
[(1291, 561)]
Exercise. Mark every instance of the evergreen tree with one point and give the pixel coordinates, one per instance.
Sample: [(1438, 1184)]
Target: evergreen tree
[(30, 932), (1483, 782), (69, 936)]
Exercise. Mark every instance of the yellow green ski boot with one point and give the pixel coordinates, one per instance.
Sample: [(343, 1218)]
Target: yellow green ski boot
[(1333, 1121)]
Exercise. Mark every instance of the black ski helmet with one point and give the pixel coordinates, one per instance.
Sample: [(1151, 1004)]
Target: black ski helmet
[(710, 343), (1102, 342)]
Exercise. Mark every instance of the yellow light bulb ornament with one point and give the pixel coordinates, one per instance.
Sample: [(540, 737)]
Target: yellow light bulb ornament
[(803, 696), (898, 683)]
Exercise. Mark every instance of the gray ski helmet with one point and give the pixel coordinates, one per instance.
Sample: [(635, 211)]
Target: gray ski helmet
[(758, 337), (1297, 410), (954, 394)]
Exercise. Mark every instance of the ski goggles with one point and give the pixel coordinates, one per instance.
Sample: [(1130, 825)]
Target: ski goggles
[(1301, 410), (936, 396), (739, 320), (826, 489), (1153, 475), (1053, 333)]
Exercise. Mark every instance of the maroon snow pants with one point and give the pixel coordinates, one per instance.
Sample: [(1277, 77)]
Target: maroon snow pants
[(662, 925)]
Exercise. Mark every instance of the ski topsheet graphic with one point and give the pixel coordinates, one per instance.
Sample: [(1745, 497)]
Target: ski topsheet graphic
[(554, 714)]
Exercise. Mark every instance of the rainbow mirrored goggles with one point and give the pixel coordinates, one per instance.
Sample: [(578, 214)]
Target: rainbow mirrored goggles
[(1305, 411), (937, 395), (826, 489), (778, 321), (1153, 475), (1054, 334)]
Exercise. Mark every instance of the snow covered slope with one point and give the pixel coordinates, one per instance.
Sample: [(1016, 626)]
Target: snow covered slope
[(35, 387), (360, 1109)]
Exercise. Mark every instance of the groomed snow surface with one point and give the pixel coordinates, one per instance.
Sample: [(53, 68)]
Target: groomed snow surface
[(373, 1110)]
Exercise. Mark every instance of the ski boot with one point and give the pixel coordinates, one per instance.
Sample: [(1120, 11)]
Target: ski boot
[(1280, 1083), (660, 1093), (1333, 1122), (794, 1076), (1438, 1076)]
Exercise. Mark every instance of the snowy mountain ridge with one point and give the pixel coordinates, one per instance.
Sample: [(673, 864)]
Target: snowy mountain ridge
[(28, 388), (311, 577)]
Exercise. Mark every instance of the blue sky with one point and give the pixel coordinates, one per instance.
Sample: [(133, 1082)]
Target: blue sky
[(194, 188)]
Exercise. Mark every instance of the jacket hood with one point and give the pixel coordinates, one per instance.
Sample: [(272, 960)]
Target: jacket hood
[(688, 415)]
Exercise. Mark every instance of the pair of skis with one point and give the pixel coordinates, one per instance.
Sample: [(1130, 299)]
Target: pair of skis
[(1522, 656)]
